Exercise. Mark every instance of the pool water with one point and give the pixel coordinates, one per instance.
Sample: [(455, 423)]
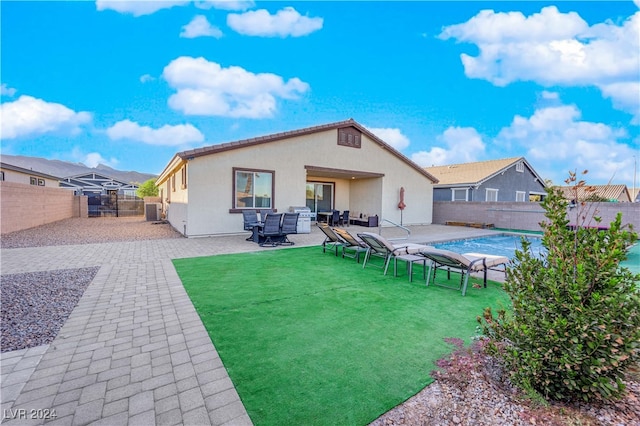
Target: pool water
[(499, 245), (506, 245)]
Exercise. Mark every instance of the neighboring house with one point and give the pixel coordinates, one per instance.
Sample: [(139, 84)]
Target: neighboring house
[(339, 166), (11, 173), (93, 184), (105, 195), (509, 179), (609, 193)]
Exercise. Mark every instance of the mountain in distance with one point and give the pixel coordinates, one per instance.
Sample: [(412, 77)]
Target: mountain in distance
[(63, 169)]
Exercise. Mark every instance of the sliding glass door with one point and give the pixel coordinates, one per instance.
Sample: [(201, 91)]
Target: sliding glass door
[(319, 196)]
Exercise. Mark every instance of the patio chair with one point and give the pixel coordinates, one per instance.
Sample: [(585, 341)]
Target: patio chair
[(289, 226), (334, 219), (465, 264), (250, 218), (344, 218), (354, 244), (379, 246), (331, 239), (269, 232)]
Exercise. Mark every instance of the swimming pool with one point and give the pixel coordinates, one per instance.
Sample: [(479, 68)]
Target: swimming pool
[(506, 245), (499, 245)]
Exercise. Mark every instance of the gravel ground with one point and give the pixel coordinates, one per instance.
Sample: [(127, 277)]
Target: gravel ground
[(481, 399), (35, 306), (88, 231)]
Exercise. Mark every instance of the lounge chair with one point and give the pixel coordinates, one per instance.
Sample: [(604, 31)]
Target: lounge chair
[(250, 218), (289, 226), (270, 232), (354, 245), (379, 246), (465, 264), (331, 239)]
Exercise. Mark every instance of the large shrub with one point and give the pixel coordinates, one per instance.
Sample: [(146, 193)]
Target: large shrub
[(575, 324), (147, 189)]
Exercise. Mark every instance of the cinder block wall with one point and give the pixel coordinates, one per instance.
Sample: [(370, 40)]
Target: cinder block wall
[(525, 216), (26, 206)]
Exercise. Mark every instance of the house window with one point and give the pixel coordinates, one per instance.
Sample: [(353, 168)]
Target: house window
[(33, 181), (253, 188), (491, 195), (520, 196), (173, 182), (40, 182), (183, 175), (2, 176), (458, 194), (520, 167), (536, 197)]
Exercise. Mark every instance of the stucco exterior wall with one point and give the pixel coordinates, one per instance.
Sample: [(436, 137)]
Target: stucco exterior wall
[(25, 178), (210, 181), (524, 216), (24, 206)]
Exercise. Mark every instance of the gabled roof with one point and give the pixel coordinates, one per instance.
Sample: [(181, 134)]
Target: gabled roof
[(213, 149), (605, 192), (475, 173)]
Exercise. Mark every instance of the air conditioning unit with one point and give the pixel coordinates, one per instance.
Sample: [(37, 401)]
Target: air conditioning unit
[(152, 211)]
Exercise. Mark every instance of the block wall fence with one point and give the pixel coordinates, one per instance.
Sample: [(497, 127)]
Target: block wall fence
[(26, 206), (524, 216)]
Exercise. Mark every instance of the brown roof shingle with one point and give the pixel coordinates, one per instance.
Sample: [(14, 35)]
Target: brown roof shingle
[(470, 173)]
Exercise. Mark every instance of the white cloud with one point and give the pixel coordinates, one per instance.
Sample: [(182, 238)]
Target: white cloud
[(557, 141), (552, 48), (200, 27), (28, 116), (550, 95), (206, 88), (181, 134), (6, 90), (225, 4), (286, 22), (393, 137), (461, 145), (92, 159), (146, 78), (137, 7)]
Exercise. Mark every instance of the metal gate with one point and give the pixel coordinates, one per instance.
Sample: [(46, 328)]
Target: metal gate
[(115, 205)]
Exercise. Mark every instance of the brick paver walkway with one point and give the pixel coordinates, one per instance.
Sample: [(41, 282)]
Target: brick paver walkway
[(134, 350)]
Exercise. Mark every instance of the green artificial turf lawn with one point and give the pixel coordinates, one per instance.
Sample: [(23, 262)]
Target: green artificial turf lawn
[(310, 338)]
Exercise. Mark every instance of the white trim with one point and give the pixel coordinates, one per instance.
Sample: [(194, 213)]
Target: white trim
[(522, 195), (453, 194), (520, 167), (492, 191)]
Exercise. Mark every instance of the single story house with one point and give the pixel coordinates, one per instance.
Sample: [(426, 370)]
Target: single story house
[(340, 166), (608, 193), (93, 184), (509, 179)]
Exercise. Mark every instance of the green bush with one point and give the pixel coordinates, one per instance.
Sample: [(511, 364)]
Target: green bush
[(575, 325), (147, 189)]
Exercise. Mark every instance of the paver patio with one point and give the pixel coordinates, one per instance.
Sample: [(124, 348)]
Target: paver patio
[(134, 350)]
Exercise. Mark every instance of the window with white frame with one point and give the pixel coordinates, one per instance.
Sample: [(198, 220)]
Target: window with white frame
[(253, 188), (520, 196), (460, 194), (491, 195), (537, 197), (520, 167)]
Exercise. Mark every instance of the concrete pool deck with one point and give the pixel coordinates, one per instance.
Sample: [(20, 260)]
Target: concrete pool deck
[(134, 350)]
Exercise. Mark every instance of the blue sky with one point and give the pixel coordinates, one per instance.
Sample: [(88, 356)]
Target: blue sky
[(130, 83)]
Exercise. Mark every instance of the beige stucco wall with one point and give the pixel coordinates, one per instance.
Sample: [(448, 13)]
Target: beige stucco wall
[(25, 178), (210, 182), (24, 206)]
